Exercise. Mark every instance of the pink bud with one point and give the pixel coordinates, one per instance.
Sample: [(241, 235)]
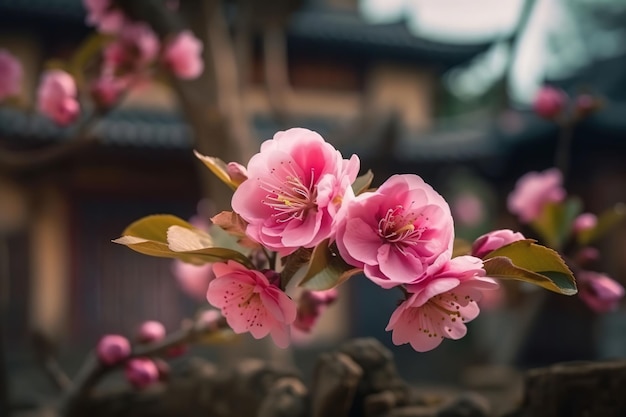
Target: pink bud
[(10, 75), (106, 90), (533, 191), (237, 172), (585, 221), (494, 240), (310, 307), (56, 97), (112, 349), (587, 255), (549, 102), (601, 293), (100, 13), (141, 372), (151, 331), (183, 55)]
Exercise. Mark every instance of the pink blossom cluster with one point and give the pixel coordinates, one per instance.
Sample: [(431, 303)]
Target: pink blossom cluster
[(533, 191), (297, 194), (128, 59), (140, 372)]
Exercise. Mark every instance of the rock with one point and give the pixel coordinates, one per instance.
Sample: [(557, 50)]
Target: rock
[(575, 389), (379, 372), (411, 411), (334, 385), (379, 403), (287, 398), (466, 404)]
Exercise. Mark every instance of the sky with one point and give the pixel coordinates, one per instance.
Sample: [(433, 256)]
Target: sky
[(561, 37)]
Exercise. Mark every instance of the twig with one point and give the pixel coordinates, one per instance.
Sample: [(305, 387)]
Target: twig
[(564, 147), (276, 69), (93, 370)]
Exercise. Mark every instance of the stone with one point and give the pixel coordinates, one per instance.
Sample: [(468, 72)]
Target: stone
[(335, 383)]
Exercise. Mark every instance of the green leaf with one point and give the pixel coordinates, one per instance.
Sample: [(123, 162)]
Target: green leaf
[(217, 167), (168, 236), (527, 261), (555, 223), (326, 269), (362, 183), (606, 222)]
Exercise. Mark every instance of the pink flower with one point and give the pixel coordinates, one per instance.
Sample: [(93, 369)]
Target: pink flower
[(141, 372), (441, 305), (56, 97), (397, 234), (294, 189), (494, 240), (136, 47), (183, 55), (549, 102), (250, 303), (112, 349), (100, 13), (106, 89), (311, 305), (585, 221), (10, 75), (193, 279), (151, 331), (601, 293), (533, 191)]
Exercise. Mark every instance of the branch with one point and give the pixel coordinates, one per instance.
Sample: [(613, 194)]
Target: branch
[(276, 69), (93, 370), (38, 158)]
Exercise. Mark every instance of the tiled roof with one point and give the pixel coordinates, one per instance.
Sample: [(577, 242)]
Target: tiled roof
[(345, 30)]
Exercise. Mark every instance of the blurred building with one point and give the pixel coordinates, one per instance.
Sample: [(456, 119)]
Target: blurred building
[(373, 89)]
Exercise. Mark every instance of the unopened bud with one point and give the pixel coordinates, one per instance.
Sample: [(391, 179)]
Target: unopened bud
[(549, 102), (237, 172), (151, 331), (112, 349), (141, 372), (585, 221)]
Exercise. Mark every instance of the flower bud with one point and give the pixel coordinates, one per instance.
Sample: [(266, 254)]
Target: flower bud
[(237, 172), (601, 293), (141, 372), (587, 256), (549, 102), (151, 331), (310, 307), (494, 240), (112, 349), (585, 221)]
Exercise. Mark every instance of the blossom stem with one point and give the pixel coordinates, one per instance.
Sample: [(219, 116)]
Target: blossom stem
[(93, 370), (564, 147)]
